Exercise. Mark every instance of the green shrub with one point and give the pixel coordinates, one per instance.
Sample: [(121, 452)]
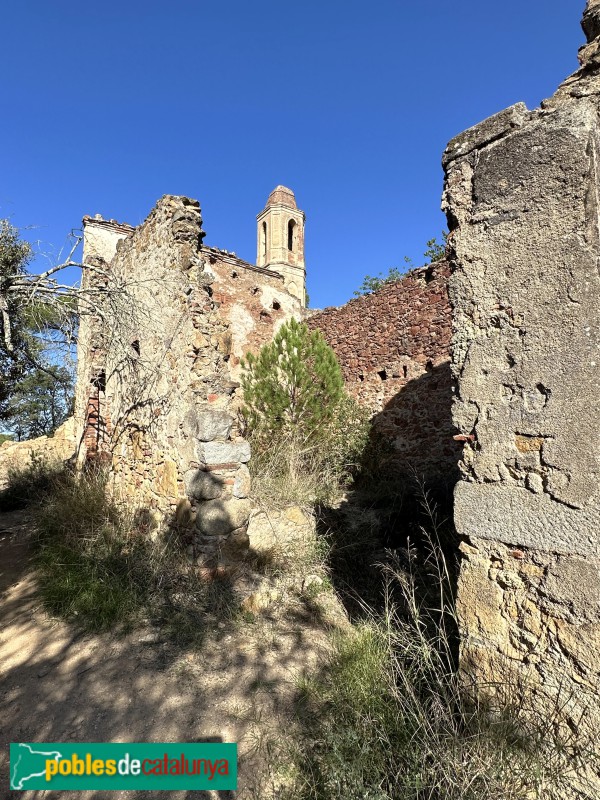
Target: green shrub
[(307, 435), (294, 385)]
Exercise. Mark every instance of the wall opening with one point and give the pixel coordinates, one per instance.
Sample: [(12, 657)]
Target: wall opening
[(264, 240), (291, 235), (99, 381)]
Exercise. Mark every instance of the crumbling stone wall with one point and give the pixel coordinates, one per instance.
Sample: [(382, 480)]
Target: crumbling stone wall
[(51, 450), (394, 349), (253, 302), (92, 418), (168, 340), (522, 203)]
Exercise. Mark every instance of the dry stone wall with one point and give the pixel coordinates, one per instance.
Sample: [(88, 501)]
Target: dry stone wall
[(394, 349), (522, 203), (50, 450), (167, 346)]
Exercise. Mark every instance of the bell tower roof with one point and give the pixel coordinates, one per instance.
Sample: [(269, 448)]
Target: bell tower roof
[(282, 196)]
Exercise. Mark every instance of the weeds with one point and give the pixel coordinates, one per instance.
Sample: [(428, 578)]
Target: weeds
[(391, 717), (96, 567), (29, 484)]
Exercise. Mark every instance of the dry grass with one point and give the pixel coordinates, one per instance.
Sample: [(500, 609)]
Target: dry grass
[(391, 718)]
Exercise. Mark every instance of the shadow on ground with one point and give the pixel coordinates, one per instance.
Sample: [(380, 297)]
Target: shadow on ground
[(59, 684)]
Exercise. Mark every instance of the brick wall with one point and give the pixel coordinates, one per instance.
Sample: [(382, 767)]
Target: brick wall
[(393, 347)]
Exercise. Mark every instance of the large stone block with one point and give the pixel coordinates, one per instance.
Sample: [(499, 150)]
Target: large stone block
[(212, 453), (526, 293), (220, 517), (207, 425), (200, 485)]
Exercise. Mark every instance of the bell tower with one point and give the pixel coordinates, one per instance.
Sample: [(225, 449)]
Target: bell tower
[(281, 240)]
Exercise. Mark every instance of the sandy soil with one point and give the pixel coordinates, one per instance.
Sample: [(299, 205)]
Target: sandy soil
[(60, 685)]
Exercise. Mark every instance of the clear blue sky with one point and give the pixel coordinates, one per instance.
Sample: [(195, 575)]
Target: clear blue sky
[(107, 106)]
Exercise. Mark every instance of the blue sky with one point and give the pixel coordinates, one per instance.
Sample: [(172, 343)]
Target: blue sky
[(107, 106)]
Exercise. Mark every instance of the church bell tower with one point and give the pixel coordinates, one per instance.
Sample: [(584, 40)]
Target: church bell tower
[(281, 240)]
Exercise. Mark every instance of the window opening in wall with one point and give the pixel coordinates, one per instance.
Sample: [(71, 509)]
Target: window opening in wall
[(265, 316), (382, 374), (405, 370), (291, 227), (276, 305), (361, 378), (99, 381), (264, 239), (234, 274)]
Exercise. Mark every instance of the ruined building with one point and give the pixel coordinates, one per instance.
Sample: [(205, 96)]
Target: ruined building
[(394, 350), (159, 354), (522, 201), (161, 357), (159, 369)]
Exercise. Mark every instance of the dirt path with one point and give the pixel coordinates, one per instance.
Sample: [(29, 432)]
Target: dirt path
[(57, 684)]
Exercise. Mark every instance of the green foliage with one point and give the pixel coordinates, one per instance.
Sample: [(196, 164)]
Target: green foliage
[(307, 434), (35, 393), (15, 254), (6, 437), (372, 283), (39, 403), (435, 252), (293, 386)]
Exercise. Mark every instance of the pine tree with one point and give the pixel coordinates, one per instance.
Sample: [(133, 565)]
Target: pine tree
[(294, 385)]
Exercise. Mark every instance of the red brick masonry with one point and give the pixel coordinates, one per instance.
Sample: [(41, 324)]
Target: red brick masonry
[(394, 349)]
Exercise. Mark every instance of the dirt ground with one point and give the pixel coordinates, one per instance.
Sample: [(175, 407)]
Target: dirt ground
[(60, 685)]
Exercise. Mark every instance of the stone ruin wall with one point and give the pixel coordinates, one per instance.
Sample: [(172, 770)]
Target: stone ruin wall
[(92, 417), (522, 202), (169, 351), (253, 302), (394, 349)]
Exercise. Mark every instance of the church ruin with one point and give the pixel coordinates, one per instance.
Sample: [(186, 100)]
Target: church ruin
[(518, 296), (159, 355)]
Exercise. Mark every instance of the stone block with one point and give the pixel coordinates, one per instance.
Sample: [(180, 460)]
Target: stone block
[(200, 485), (220, 517), (485, 132), (262, 533), (224, 452), (207, 425), (167, 479), (243, 482)]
